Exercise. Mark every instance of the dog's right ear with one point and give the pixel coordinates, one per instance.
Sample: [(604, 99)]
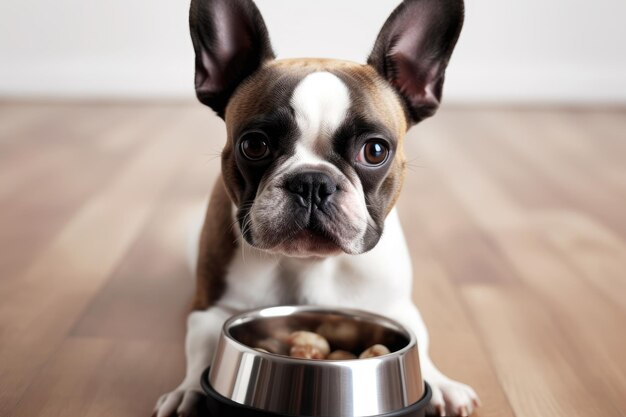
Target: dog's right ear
[(231, 42)]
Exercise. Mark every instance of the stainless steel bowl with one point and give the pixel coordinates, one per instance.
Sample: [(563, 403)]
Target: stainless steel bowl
[(282, 385)]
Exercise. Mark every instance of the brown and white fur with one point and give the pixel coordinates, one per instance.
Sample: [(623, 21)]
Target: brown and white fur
[(312, 220)]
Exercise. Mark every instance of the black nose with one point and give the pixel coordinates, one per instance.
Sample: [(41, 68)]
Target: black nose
[(311, 188)]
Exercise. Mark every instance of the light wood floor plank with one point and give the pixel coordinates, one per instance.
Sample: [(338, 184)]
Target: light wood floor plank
[(536, 264), (47, 299), (596, 253), (91, 377), (524, 343), (30, 220), (574, 187)]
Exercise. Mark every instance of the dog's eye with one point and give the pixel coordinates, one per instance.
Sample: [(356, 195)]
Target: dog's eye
[(373, 153), (254, 146)]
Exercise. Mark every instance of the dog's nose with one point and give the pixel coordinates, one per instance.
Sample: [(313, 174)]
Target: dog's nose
[(311, 188)]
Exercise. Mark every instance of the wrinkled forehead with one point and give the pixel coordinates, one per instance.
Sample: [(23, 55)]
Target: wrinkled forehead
[(319, 96)]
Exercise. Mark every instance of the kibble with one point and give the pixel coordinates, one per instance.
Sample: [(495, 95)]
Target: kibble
[(306, 352), (310, 339), (315, 345), (342, 334), (374, 351)]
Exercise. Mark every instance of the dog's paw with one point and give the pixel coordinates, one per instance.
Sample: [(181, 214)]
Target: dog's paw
[(179, 403), (451, 398)]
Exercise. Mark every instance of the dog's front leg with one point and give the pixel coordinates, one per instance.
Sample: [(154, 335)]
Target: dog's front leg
[(449, 397), (203, 329)]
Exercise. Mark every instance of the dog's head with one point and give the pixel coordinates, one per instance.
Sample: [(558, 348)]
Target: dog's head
[(314, 160)]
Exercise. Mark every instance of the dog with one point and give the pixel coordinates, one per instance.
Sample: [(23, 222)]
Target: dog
[(303, 212)]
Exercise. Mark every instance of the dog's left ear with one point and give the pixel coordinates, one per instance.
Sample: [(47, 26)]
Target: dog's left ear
[(413, 49), (231, 42)]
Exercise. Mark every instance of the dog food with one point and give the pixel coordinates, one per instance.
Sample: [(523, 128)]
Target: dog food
[(309, 339), (374, 351), (306, 352), (342, 334), (317, 345)]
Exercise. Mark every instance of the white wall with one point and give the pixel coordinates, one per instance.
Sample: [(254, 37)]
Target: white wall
[(510, 50)]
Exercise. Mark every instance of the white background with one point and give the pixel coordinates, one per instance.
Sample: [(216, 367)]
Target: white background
[(571, 51)]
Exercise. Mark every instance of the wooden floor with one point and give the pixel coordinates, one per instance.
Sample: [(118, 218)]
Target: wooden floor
[(516, 220)]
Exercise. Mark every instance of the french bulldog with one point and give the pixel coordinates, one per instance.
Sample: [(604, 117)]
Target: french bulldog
[(303, 212)]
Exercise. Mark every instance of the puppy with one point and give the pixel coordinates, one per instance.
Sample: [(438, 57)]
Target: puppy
[(303, 212)]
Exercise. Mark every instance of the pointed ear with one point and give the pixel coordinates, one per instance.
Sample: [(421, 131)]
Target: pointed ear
[(413, 48), (231, 42)]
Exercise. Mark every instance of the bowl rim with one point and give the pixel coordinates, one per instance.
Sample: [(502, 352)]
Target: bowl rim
[(275, 311)]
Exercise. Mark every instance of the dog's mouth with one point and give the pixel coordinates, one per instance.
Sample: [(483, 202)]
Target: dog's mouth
[(292, 238), (309, 242)]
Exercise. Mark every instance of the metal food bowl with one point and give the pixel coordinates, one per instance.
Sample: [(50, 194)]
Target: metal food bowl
[(246, 382)]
